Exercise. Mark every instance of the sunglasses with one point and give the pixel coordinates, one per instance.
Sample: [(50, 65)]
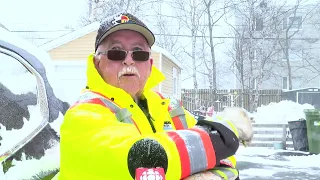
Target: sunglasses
[(120, 55)]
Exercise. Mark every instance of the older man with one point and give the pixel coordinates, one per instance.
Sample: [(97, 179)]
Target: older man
[(120, 124)]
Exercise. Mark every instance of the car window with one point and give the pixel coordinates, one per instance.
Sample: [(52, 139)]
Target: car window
[(21, 112)]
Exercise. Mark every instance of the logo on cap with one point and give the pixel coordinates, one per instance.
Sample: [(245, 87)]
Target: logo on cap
[(121, 19), (124, 19)]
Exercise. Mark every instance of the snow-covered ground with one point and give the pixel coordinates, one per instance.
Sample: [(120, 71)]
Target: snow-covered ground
[(28, 168), (267, 163)]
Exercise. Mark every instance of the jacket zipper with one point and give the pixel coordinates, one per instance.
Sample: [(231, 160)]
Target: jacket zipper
[(150, 119), (145, 109)]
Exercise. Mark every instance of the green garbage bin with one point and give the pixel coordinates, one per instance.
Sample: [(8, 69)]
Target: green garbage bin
[(313, 129)]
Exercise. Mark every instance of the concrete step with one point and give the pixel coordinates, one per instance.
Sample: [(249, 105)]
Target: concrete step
[(269, 125), (257, 138), (256, 131), (267, 144)]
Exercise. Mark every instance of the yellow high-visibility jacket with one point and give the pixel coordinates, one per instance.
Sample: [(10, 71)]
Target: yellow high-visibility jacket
[(105, 134)]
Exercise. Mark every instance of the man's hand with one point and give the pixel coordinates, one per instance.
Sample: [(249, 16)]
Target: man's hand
[(241, 121)]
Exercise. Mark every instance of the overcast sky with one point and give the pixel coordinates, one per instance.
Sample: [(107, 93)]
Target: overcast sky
[(53, 13), (56, 14)]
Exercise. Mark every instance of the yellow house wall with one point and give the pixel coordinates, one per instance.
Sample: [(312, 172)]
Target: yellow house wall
[(78, 49), (167, 65)]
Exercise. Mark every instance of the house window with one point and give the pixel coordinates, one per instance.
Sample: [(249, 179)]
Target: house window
[(294, 55), (292, 22), (254, 53), (258, 24), (285, 83), (254, 83), (175, 80)]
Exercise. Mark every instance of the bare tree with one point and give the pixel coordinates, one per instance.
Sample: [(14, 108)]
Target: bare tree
[(270, 28), (167, 26), (208, 62), (264, 53), (312, 62), (237, 55), (99, 10), (213, 16), (290, 21), (254, 50), (244, 44), (190, 14)]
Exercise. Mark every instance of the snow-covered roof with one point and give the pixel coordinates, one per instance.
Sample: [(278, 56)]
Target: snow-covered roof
[(70, 36), (88, 29), (299, 89)]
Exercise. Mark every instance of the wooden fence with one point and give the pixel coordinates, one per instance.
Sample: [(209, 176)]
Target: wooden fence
[(201, 99)]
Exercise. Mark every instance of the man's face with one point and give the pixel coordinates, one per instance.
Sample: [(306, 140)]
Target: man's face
[(127, 74)]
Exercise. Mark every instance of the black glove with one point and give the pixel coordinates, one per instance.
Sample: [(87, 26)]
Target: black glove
[(224, 141)]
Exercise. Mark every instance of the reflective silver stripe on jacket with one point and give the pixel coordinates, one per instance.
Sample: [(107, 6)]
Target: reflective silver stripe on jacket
[(122, 115), (179, 112)]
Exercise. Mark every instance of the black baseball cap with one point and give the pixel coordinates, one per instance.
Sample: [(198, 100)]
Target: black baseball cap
[(123, 21)]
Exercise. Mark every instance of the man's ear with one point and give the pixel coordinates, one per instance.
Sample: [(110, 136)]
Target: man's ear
[(151, 63), (96, 61)]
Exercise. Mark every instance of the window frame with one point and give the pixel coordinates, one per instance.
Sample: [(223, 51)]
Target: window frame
[(287, 83), (42, 100), (294, 53), (288, 20)]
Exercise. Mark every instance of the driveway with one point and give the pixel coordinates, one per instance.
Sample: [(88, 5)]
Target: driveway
[(266, 164)]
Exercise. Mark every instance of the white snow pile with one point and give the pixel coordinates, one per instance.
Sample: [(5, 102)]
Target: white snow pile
[(12, 137), (32, 168), (55, 125), (17, 73), (281, 112)]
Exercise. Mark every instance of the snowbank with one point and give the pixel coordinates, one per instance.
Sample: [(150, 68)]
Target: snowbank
[(55, 125), (10, 138), (33, 168), (281, 112)]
